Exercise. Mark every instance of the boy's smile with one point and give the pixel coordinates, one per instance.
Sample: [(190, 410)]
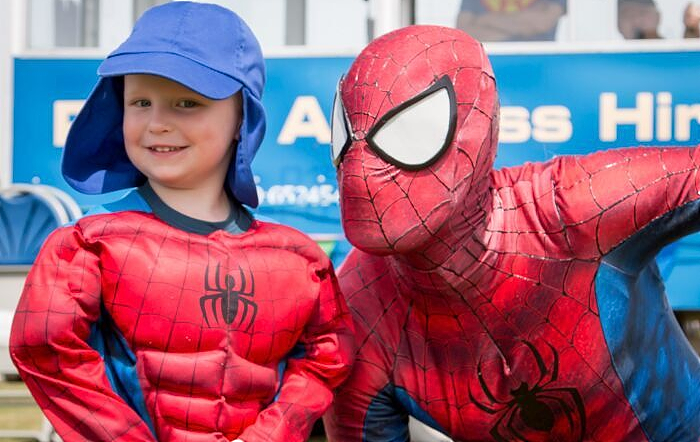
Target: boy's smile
[(177, 137), (164, 149)]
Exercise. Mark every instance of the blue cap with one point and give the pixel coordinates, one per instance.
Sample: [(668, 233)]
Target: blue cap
[(204, 47)]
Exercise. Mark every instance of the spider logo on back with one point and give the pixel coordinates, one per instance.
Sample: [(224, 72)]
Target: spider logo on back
[(234, 298)]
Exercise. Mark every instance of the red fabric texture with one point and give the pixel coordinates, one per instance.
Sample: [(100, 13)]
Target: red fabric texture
[(207, 363), (468, 284)]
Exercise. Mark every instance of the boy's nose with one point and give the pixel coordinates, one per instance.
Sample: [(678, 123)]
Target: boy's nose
[(158, 122)]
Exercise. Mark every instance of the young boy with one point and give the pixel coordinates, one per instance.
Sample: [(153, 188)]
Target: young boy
[(172, 314)]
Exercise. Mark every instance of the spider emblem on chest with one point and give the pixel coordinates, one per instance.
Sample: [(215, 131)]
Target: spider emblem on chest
[(229, 297), (531, 408)]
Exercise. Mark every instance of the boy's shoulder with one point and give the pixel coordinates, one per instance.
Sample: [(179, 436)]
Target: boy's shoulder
[(122, 216), (119, 212), (277, 232), (130, 201), (274, 234)]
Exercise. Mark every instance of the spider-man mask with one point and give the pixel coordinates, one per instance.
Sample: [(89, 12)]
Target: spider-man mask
[(414, 137)]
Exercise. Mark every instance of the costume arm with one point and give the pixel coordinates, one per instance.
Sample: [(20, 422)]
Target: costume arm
[(308, 381), (604, 198), (366, 409), (48, 344)]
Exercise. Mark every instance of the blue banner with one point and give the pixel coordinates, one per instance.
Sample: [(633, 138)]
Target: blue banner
[(552, 104), (558, 104)]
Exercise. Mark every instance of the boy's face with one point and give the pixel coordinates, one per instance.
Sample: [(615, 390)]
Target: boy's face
[(177, 138)]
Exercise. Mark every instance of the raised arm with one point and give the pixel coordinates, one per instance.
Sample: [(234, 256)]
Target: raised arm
[(48, 344), (604, 198), (327, 349)]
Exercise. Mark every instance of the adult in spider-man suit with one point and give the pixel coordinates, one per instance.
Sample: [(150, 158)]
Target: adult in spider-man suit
[(513, 305)]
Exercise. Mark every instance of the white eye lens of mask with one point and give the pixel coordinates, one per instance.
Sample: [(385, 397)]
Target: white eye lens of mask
[(340, 138), (416, 133)]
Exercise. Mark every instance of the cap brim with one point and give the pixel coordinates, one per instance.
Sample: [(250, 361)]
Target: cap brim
[(201, 79)]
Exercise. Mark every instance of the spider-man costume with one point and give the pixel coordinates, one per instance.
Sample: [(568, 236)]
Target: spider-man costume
[(141, 323), (513, 305), (130, 329)]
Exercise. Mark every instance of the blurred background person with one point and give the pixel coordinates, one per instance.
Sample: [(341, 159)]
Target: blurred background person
[(511, 20), (691, 20), (638, 19)]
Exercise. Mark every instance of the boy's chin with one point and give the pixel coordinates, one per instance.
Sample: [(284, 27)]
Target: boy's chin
[(170, 184)]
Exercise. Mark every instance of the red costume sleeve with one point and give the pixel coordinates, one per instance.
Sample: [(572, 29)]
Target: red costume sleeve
[(308, 381), (48, 343), (621, 196)]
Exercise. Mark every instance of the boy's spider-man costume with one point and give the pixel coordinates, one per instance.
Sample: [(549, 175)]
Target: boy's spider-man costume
[(520, 304), (143, 323), (228, 335)]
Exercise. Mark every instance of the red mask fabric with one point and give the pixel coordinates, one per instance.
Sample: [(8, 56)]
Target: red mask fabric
[(388, 83)]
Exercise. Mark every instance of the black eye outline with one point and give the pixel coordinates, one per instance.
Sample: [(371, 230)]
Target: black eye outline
[(346, 126), (442, 83)]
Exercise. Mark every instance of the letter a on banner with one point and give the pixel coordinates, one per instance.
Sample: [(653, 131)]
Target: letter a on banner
[(305, 119)]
